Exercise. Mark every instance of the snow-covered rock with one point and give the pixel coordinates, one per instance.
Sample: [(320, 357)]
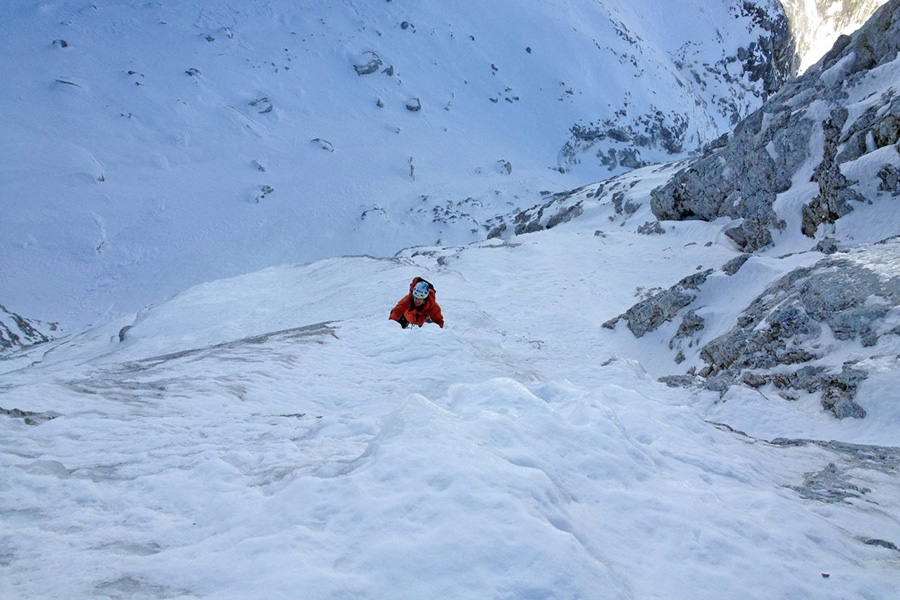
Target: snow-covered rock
[(837, 125), (18, 332), (795, 335)]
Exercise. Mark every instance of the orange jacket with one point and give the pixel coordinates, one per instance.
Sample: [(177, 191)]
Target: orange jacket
[(418, 315)]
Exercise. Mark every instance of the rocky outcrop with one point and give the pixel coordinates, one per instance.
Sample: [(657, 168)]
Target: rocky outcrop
[(835, 191), (785, 337), (566, 206), (742, 174), (771, 58), (793, 338), (18, 332), (29, 417), (657, 130), (559, 208), (369, 63), (742, 179), (649, 314)]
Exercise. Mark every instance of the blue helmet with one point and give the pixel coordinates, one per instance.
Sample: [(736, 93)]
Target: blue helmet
[(421, 290)]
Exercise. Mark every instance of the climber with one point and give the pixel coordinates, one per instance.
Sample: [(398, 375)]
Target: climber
[(418, 307)]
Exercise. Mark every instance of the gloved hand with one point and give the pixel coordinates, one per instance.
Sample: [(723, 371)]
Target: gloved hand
[(403, 322)]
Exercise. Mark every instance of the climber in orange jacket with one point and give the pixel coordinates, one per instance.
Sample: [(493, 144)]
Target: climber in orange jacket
[(418, 307)]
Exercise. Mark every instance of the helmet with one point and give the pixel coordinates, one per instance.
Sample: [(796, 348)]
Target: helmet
[(421, 290)]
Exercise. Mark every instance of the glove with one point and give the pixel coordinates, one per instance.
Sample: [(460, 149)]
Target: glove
[(403, 322)]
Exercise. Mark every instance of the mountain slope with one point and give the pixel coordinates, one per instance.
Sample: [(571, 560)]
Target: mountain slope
[(812, 173), (159, 145), (279, 423)]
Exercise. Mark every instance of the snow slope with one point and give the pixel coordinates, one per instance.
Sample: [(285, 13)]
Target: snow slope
[(275, 436)]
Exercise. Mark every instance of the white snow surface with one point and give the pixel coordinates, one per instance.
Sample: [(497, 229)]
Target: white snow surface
[(274, 435)]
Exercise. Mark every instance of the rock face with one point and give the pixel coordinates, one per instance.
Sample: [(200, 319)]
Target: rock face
[(785, 336), (649, 314), (741, 179), (793, 338), (741, 175), (18, 332)]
